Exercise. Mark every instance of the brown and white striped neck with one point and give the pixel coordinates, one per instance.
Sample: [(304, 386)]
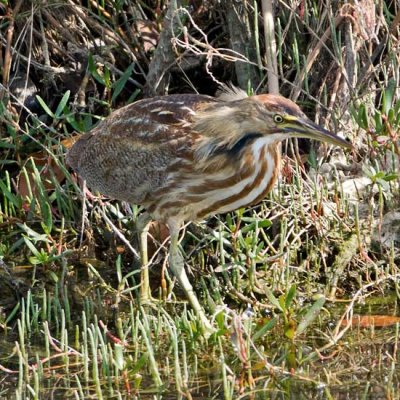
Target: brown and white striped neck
[(189, 194)]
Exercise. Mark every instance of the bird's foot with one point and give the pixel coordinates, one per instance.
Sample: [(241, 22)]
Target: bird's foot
[(205, 325), (146, 298)]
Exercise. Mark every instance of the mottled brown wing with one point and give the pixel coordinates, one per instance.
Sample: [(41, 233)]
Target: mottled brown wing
[(127, 156)]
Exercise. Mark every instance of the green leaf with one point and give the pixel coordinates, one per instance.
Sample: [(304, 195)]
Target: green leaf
[(290, 329), (107, 77), (53, 276), (13, 313), (133, 96), (388, 95), (378, 122), (264, 329), (220, 320), (396, 107), (45, 208), (312, 158), (32, 248), (391, 116), (93, 70), (249, 227), (282, 302), (71, 119), (253, 222), (390, 177), (265, 223), (363, 117), (139, 364), (121, 82), (311, 314), (45, 107), (273, 299), (34, 260), (291, 357), (290, 295), (63, 103), (397, 120), (6, 145), (36, 237), (87, 123), (12, 198)]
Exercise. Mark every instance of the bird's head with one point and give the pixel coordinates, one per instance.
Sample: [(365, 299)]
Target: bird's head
[(225, 124), (284, 119)]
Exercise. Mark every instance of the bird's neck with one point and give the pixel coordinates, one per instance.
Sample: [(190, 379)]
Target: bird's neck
[(242, 181), (266, 159), (233, 145), (262, 149)]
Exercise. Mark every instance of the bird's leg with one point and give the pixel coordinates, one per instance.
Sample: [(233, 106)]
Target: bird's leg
[(142, 226), (177, 266)]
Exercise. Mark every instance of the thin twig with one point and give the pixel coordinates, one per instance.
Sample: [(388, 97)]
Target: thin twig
[(11, 14)]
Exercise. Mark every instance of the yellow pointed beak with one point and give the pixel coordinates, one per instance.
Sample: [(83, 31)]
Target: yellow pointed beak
[(303, 128)]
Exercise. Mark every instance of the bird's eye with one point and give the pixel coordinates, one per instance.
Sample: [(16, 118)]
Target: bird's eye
[(278, 118)]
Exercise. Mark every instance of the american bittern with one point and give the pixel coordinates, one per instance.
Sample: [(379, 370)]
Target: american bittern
[(187, 156)]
